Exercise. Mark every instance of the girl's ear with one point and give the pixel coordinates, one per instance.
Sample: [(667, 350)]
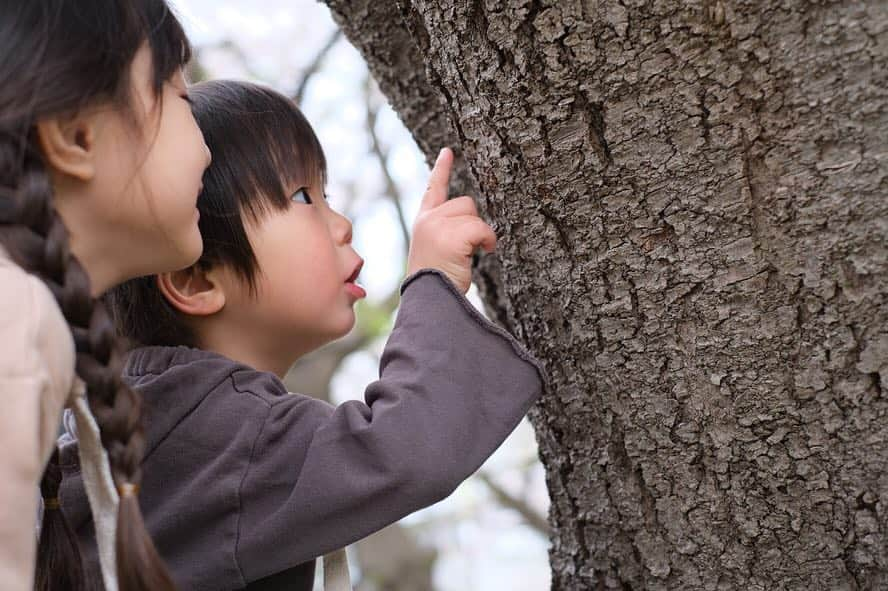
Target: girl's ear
[(192, 291), (68, 144)]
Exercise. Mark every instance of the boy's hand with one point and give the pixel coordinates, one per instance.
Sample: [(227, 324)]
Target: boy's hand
[(447, 232)]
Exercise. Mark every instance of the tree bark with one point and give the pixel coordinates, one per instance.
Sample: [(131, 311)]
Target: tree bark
[(692, 204)]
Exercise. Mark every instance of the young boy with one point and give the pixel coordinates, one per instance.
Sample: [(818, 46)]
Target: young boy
[(246, 484)]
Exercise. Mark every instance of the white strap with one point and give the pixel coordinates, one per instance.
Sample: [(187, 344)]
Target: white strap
[(100, 490), (336, 577)]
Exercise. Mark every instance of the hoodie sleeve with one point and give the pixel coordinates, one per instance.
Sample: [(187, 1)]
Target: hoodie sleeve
[(452, 386)]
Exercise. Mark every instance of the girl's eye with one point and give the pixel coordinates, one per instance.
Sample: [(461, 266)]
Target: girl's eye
[(187, 99), (301, 196)]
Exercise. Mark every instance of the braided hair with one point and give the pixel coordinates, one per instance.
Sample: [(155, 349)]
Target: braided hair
[(60, 55)]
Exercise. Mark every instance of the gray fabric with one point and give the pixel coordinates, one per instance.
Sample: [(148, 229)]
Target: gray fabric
[(244, 481)]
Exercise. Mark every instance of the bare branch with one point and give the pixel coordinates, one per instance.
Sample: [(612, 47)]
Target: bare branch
[(237, 52), (391, 189), (315, 65), (505, 498)]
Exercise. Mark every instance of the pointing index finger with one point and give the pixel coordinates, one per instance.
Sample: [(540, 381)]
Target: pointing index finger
[(439, 181)]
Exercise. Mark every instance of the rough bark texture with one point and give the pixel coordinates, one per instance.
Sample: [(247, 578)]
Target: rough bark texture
[(378, 31), (692, 204)]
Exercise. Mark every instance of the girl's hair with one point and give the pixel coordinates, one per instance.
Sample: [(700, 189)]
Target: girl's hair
[(263, 149), (60, 56)]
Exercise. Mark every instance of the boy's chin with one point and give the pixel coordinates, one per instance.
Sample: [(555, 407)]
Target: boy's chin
[(333, 335), (346, 328)]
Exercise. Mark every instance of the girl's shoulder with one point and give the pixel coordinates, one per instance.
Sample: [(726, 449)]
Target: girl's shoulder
[(34, 335)]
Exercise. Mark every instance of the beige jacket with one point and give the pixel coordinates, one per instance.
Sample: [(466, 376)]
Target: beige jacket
[(37, 380)]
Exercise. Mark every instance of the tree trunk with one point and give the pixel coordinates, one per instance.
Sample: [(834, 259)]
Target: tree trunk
[(692, 204)]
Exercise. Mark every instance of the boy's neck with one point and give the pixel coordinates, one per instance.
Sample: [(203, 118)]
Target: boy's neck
[(247, 357), (245, 346)]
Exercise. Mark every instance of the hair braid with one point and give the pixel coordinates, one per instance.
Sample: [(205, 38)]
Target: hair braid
[(63, 56), (59, 564), (36, 237)]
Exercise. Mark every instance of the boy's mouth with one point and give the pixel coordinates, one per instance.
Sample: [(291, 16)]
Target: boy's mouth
[(354, 276)]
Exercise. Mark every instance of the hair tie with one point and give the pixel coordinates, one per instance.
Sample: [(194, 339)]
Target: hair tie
[(128, 489), (51, 503)]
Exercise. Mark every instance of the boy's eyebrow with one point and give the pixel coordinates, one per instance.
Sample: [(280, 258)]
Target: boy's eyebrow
[(301, 183)]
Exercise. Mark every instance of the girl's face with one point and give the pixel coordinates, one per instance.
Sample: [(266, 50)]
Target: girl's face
[(137, 215), (303, 299)]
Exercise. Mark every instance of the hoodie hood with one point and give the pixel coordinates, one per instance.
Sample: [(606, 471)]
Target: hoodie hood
[(173, 381)]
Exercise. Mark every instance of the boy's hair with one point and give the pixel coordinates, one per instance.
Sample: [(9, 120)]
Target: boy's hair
[(60, 56), (263, 149)]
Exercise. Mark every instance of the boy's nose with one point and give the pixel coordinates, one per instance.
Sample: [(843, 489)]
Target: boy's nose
[(342, 228)]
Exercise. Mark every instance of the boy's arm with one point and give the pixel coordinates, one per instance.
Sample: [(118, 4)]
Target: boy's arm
[(452, 386)]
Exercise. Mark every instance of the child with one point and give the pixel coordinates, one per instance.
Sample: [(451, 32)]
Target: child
[(245, 483), (97, 143)]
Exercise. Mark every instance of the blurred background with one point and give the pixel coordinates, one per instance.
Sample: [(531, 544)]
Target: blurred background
[(492, 532)]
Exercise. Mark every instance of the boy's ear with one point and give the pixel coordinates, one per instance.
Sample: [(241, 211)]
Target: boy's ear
[(68, 144), (192, 291)]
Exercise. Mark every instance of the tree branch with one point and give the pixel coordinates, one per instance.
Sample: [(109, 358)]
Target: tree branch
[(505, 498), (391, 189), (315, 65)]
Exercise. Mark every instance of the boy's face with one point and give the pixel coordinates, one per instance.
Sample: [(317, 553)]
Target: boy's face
[(303, 299)]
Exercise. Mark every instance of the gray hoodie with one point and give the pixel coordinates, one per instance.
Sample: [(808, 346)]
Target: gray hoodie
[(246, 484)]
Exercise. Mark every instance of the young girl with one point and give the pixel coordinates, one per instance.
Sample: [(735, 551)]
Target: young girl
[(246, 483), (100, 168)]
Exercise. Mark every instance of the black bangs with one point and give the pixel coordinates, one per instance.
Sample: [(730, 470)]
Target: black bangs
[(263, 150), (170, 48)]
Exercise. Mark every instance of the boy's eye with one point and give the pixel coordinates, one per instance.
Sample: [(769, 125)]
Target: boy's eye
[(301, 196)]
